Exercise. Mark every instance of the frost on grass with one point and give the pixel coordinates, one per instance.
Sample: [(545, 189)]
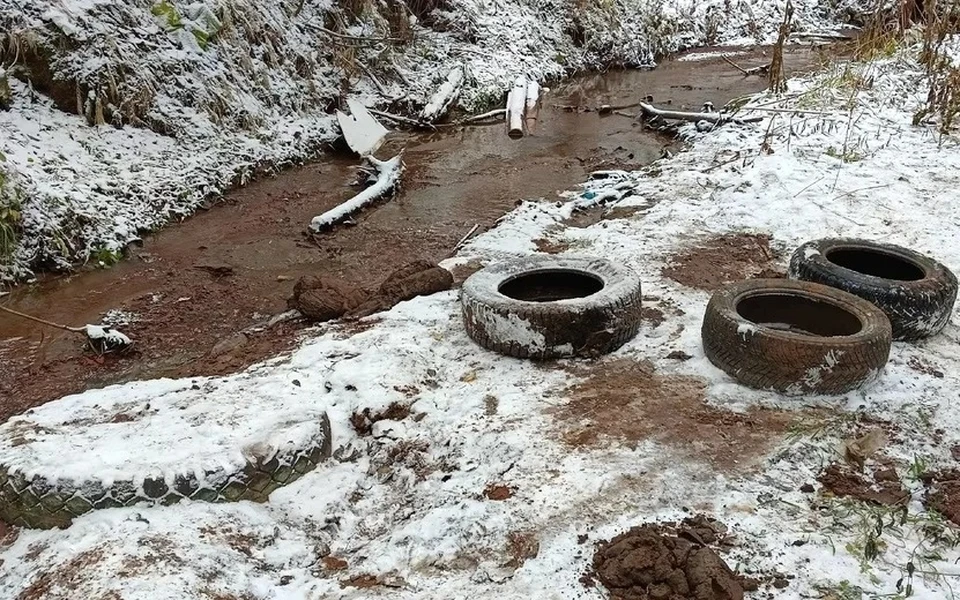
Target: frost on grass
[(210, 93)]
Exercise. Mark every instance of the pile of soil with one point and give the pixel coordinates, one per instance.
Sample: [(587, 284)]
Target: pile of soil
[(943, 493), (883, 487), (666, 562), (724, 259), (323, 299)]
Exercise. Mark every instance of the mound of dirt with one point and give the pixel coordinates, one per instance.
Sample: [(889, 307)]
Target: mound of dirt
[(666, 562), (321, 299), (724, 259), (885, 489), (419, 278), (943, 493)]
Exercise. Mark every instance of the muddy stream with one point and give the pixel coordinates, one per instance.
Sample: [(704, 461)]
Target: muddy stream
[(198, 283)]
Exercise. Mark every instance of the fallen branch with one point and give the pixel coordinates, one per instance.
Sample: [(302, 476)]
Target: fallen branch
[(101, 338), (715, 118), (361, 39), (400, 119), (444, 97), (464, 239), (499, 112), (372, 77), (388, 178), (761, 70)]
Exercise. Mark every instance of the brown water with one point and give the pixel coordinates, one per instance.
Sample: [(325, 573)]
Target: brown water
[(455, 179)]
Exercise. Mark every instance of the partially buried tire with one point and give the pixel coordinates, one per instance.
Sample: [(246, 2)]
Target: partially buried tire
[(545, 307), (916, 292), (795, 337)]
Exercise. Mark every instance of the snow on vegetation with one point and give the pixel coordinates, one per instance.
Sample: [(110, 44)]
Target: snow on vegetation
[(211, 93), (409, 510)]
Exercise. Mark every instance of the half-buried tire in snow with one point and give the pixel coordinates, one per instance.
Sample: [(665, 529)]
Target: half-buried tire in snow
[(544, 307), (795, 337), (158, 443), (916, 292)]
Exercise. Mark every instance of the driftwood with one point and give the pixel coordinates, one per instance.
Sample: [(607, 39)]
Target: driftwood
[(516, 103), (761, 70), (715, 118), (444, 97), (388, 178), (100, 338), (401, 119)]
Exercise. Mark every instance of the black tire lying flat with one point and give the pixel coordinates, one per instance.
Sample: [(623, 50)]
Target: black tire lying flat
[(916, 292), (837, 341), (552, 307)]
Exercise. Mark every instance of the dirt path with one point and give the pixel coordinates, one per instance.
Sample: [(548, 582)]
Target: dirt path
[(196, 285)]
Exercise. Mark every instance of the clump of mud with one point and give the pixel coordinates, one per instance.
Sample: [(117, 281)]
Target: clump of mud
[(666, 562), (943, 493), (724, 259), (883, 487), (322, 299), (363, 420)]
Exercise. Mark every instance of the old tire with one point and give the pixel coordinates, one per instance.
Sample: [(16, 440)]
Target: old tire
[(916, 292), (795, 337), (544, 307), (156, 443)]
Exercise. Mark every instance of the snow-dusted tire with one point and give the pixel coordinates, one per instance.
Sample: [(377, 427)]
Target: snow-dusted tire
[(31, 500), (916, 292), (543, 307), (835, 341)]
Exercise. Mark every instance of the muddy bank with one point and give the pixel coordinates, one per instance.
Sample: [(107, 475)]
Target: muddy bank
[(190, 289)]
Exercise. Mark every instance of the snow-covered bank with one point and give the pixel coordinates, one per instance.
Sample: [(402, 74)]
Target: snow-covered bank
[(409, 509), (219, 90)]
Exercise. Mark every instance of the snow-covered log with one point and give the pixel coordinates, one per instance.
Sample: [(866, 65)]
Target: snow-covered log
[(444, 97), (516, 103), (388, 178), (715, 118), (532, 105)]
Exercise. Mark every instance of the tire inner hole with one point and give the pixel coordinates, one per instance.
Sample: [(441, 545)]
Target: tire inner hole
[(798, 314), (550, 286), (875, 263)]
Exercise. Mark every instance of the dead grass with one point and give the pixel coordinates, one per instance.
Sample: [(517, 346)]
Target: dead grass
[(943, 96), (777, 75)]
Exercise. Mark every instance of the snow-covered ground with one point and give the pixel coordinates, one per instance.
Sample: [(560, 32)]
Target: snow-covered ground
[(404, 510), (227, 88)]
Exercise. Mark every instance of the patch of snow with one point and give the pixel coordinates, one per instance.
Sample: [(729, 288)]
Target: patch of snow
[(112, 337), (168, 428), (745, 330), (512, 327)]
